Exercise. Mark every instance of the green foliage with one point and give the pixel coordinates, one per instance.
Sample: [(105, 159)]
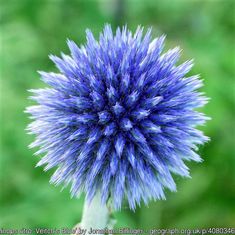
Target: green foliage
[(30, 30)]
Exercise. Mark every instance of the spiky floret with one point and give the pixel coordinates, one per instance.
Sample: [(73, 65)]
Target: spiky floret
[(119, 118)]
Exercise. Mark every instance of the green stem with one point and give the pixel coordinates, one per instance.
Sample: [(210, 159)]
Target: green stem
[(95, 215)]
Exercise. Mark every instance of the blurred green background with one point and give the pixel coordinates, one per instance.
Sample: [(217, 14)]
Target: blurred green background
[(30, 30)]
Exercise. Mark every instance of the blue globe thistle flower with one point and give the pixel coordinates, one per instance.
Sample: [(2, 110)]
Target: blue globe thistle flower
[(119, 118)]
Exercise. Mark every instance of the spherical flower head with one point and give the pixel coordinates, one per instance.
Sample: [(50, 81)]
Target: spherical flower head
[(119, 118)]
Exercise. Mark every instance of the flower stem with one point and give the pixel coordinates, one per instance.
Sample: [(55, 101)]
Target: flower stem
[(95, 215)]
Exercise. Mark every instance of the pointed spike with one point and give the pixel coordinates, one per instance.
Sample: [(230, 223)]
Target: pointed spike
[(151, 102), (140, 114), (104, 117), (124, 84), (110, 129), (114, 163), (132, 98), (98, 99), (131, 155), (112, 94), (126, 124), (137, 136), (94, 136), (103, 149), (118, 109), (119, 145), (156, 45), (150, 127), (86, 118)]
